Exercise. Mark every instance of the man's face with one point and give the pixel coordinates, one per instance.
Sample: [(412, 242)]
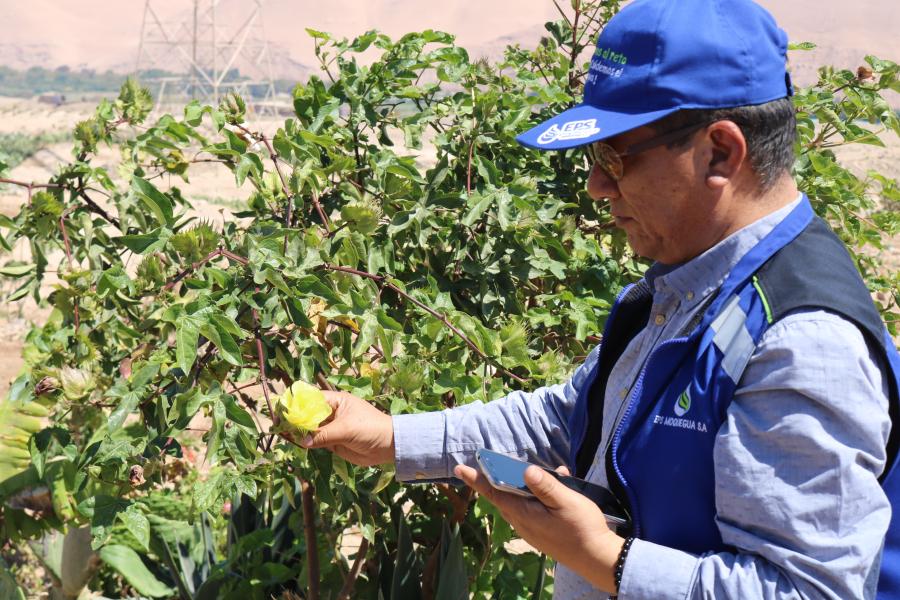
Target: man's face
[(659, 202)]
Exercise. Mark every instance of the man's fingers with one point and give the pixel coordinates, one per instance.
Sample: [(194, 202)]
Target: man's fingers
[(476, 480), (333, 398), (545, 487), (562, 470), (320, 438)]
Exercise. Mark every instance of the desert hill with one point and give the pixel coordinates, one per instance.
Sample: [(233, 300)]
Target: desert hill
[(102, 34)]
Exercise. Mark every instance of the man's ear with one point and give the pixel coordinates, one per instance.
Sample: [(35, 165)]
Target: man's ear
[(727, 153)]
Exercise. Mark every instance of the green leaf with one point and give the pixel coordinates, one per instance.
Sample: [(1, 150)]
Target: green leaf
[(127, 403), (102, 511), (311, 285), (112, 280), (16, 270), (237, 414), (481, 205), (405, 582), (158, 203), (220, 337), (319, 35), (143, 243), (452, 576), (214, 439), (127, 562), (387, 321), (249, 162), (136, 522), (339, 467), (38, 454), (385, 479), (801, 46), (193, 113), (205, 494), (187, 334)]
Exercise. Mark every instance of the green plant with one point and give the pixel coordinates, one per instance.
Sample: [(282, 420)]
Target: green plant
[(350, 266)]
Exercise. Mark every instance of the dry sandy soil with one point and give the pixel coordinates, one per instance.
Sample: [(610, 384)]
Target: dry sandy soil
[(213, 194)]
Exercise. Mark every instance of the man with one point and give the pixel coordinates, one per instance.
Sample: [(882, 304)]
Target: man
[(740, 403)]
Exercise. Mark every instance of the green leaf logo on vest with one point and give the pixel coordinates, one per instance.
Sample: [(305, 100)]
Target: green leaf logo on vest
[(683, 404)]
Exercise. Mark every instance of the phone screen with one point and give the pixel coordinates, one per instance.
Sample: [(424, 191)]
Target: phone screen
[(508, 474)]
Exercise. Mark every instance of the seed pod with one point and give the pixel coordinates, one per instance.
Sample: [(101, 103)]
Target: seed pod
[(362, 215), (234, 108), (45, 386), (151, 271), (76, 383), (136, 475)]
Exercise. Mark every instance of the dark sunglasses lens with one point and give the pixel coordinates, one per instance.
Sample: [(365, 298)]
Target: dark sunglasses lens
[(606, 157)]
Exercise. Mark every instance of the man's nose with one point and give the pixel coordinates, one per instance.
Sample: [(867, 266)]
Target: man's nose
[(600, 185)]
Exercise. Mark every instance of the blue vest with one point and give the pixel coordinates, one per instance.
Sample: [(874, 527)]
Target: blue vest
[(661, 459)]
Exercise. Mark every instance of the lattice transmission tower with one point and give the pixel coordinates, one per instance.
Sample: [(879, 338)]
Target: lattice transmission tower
[(202, 53)]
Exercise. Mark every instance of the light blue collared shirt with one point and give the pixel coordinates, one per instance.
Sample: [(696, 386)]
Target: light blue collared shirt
[(796, 460)]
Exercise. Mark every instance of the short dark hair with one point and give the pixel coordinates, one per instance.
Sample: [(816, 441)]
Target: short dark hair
[(770, 130)]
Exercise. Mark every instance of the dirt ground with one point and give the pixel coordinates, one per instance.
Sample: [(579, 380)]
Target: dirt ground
[(213, 195)]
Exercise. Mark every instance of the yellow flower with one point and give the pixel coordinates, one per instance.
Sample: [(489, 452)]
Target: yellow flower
[(304, 406)]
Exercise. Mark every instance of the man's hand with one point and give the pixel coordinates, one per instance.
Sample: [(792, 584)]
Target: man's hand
[(561, 523), (356, 431)]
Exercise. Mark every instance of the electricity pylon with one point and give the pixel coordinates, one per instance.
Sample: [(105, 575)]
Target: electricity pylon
[(200, 57)]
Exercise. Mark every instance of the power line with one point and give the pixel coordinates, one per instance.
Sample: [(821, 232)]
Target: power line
[(206, 54)]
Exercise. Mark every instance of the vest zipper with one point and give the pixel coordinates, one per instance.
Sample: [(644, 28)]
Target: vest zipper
[(616, 437)]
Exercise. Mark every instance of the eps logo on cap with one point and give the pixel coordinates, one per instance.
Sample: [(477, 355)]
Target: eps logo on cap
[(570, 130)]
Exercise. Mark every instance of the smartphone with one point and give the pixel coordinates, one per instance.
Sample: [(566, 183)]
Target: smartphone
[(508, 474)]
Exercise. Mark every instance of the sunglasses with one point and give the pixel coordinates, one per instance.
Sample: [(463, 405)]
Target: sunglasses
[(610, 160)]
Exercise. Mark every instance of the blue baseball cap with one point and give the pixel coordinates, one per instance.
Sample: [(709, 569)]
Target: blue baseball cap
[(656, 57)]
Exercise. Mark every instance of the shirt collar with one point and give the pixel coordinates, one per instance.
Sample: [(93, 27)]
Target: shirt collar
[(695, 279)]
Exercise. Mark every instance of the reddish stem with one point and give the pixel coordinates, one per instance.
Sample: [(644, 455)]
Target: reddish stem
[(65, 234), (469, 170), (31, 185), (284, 187), (261, 359), (309, 533), (209, 257), (358, 563)]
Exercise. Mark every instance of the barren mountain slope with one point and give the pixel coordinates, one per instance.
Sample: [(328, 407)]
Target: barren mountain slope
[(103, 34)]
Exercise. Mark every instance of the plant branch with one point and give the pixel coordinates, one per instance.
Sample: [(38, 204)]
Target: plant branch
[(309, 533), (68, 245), (358, 562), (209, 257), (382, 281), (261, 359), (31, 186), (469, 170), (95, 208), (284, 187)]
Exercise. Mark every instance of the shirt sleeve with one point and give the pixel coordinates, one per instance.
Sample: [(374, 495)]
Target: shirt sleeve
[(532, 426), (797, 462)]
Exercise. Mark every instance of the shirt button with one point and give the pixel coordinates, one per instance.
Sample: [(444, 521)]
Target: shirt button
[(420, 475), (689, 295), (660, 319), (623, 393)]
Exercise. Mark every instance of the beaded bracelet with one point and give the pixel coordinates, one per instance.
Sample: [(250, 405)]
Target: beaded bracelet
[(620, 562)]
